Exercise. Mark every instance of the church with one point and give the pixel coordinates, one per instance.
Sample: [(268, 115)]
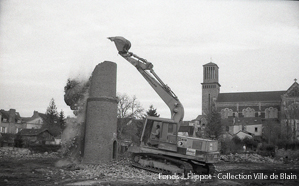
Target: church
[(246, 113)]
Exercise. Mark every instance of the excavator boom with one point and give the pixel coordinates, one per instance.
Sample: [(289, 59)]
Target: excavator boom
[(146, 69)]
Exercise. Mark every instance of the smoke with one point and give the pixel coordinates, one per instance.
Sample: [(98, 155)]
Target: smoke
[(76, 93), (72, 139)]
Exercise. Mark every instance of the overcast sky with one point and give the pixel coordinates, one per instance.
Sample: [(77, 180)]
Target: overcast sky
[(45, 42)]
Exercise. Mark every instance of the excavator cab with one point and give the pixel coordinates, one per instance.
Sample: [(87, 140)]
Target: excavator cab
[(160, 133)]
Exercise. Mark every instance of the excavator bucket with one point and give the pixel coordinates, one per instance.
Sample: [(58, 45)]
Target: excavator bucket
[(123, 45)]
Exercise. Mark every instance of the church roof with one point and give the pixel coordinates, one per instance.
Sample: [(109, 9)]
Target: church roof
[(250, 96), (293, 91)]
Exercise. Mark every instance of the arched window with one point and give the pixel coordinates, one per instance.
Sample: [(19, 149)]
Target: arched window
[(271, 112), (225, 113), (248, 112)]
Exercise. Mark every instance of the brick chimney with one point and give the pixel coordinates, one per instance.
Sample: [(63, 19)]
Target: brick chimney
[(12, 116), (100, 144)]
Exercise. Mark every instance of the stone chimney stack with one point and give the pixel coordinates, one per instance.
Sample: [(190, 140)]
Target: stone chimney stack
[(12, 116), (100, 144)]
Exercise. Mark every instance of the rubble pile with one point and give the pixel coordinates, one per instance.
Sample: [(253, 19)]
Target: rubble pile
[(254, 158), (117, 170), (13, 152), (292, 155), (120, 170)]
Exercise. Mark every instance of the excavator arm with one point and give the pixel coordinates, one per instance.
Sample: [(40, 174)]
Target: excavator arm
[(146, 70)]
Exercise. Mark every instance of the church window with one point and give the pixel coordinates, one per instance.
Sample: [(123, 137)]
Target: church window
[(248, 112), (255, 129), (271, 112), (225, 113)]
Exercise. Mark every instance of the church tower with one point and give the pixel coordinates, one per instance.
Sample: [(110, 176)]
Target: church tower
[(210, 86)]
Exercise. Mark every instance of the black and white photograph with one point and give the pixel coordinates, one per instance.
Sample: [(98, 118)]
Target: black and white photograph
[(152, 92)]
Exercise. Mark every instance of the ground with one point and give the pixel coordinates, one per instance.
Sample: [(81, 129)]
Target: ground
[(41, 170)]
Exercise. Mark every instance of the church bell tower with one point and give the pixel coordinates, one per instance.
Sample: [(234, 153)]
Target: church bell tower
[(210, 86)]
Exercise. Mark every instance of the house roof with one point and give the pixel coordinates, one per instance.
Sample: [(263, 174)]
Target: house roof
[(5, 114), (244, 132), (32, 132), (250, 96), (34, 116)]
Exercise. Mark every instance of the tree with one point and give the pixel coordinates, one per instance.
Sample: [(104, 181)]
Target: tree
[(129, 107), (272, 131), (291, 114), (213, 128), (62, 119), (152, 111), (51, 112), (52, 121), (250, 143)]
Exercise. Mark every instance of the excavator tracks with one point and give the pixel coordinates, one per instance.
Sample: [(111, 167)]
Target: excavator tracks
[(161, 164)]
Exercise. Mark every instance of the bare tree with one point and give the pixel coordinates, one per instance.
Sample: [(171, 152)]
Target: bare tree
[(128, 110), (129, 107), (272, 131), (292, 114)]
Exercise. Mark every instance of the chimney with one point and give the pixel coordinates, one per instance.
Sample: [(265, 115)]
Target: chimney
[(12, 116), (100, 144), (35, 113)]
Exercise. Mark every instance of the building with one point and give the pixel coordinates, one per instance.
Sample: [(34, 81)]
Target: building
[(243, 127), (35, 121), (249, 111), (10, 121), (36, 136)]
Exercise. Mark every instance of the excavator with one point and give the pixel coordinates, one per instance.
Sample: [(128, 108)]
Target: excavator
[(165, 151)]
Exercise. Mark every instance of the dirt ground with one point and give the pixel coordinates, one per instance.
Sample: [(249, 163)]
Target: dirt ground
[(41, 171)]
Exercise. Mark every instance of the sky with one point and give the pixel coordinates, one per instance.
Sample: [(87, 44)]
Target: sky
[(45, 42)]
